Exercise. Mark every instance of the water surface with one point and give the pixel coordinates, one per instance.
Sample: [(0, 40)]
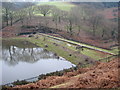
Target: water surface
[(22, 60)]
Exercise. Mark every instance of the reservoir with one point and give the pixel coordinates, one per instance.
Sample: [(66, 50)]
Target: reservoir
[(22, 60)]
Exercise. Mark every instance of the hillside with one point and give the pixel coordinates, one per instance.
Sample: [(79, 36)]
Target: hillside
[(99, 4), (84, 34), (61, 5), (102, 75)]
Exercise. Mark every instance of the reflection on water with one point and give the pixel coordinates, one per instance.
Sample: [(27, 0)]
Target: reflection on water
[(21, 60), (14, 55)]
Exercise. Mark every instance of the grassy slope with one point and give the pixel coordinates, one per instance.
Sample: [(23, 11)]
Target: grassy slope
[(84, 45), (65, 6), (87, 52), (61, 5), (66, 51)]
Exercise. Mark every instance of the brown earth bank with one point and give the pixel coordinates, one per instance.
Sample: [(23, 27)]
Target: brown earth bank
[(101, 75)]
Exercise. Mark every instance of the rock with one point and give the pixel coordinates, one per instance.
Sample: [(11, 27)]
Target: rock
[(30, 36), (46, 45)]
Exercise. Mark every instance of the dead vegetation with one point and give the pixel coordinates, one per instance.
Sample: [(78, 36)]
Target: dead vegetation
[(101, 75)]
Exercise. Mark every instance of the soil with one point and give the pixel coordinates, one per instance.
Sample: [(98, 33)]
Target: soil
[(101, 75)]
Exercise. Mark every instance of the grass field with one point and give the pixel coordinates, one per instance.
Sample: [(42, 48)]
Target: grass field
[(61, 5), (65, 6)]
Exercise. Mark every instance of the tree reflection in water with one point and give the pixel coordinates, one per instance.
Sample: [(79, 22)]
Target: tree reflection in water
[(13, 53)]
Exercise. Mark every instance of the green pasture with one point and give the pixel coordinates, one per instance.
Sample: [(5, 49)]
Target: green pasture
[(61, 5)]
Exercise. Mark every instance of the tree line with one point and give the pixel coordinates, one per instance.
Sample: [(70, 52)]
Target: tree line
[(11, 13), (78, 17)]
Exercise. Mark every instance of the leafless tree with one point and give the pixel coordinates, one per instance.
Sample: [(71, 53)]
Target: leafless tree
[(56, 14), (95, 21), (78, 17), (7, 8), (70, 20), (11, 16), (22, 14), (44, 9), (29, 8)]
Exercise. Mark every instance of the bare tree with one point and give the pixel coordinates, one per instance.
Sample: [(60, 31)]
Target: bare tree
[(69, 18), (109, 30), (29, 9), (3, 18), (7, 6), (78, 17), (11, 16), (56, 14), (22, 14), (6, 15), (44, 9), (105, 27), (114, 30), (95, 21), (87, 11)]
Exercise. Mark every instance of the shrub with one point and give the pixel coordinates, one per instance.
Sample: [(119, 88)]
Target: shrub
[(23, 82)]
